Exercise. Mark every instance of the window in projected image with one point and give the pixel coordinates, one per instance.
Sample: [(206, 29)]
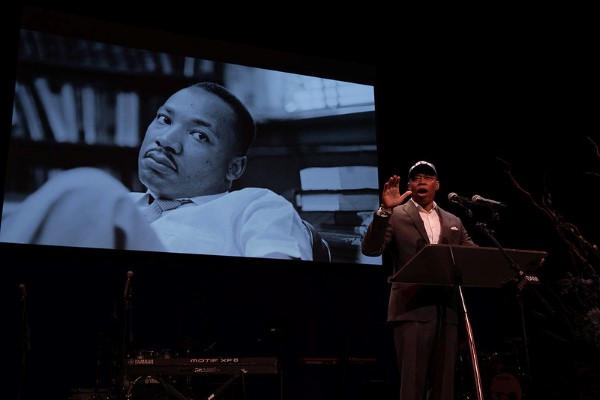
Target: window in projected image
[(82, 103)]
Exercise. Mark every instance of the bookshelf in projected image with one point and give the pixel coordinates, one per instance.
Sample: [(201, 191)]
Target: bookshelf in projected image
[(82, 102), (340, 202)]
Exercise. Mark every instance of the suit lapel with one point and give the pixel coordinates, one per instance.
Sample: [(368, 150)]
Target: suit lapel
[(413, 214), (444, 228)]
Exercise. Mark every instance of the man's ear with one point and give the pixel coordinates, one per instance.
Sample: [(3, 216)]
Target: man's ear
[(236, 168)]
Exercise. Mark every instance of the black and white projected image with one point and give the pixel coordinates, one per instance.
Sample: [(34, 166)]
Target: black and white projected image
[(101, 129)]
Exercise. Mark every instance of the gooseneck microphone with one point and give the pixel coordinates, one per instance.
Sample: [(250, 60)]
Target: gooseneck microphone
[(477, 199), (463, 202), (455, 198)]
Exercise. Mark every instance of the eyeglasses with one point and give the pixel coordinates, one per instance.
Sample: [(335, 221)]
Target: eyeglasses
[(422, 177)]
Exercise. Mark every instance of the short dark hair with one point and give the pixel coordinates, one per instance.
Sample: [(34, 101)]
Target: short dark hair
[(245, 127)]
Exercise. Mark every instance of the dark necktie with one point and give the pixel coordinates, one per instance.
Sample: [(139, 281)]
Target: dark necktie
[(154, 210)]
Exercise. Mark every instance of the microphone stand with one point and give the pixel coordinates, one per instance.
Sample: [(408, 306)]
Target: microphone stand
[(457, 281), (127, 316), (25, 341), (219, 391), (127, 338), (521, 279)]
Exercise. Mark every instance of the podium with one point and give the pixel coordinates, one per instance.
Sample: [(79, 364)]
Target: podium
[(438, 264), (458, 266)]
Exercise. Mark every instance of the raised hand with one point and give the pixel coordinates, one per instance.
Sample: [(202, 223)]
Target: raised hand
[(391, 197)]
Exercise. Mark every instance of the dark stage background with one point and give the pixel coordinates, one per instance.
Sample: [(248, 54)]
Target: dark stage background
[(464, 99)]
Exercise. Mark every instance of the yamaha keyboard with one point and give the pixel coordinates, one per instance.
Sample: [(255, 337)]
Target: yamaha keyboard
[(170, 366)]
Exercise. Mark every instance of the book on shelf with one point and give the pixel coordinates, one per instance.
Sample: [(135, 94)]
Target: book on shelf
[(59, 109), (343, 222), (25, 106), (91, 55), (69, 112), (353, 218), (346, 248), (17, 127), (341, 200), (87, 106), (347, 177), (74, 113), (343, 229), (106, 100), (127, 112), (344, 218)]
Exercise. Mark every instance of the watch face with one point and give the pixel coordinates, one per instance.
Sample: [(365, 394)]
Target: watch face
[(383, 213)]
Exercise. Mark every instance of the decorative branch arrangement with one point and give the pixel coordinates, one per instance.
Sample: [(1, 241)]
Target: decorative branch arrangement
[(577, 291)]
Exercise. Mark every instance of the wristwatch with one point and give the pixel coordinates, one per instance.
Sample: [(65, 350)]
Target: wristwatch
[(385, 212)]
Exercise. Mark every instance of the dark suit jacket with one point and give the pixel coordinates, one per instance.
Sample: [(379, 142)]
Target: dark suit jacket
[(404, 236)]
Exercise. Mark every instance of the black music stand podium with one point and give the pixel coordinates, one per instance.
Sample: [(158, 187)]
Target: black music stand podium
[(458, 266)]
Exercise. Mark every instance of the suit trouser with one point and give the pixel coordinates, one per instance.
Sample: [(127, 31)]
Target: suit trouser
[(426, 353)]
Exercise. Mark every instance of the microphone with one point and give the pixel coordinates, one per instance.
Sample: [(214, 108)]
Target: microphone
[(127, 290), (463, 202), (477, 199), (455, 198)]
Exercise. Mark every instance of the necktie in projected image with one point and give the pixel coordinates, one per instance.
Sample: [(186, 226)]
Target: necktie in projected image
[(156, 208)]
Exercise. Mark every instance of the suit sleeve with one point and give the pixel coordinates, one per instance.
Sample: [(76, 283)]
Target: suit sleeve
[(465, 238), (377, 237)]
